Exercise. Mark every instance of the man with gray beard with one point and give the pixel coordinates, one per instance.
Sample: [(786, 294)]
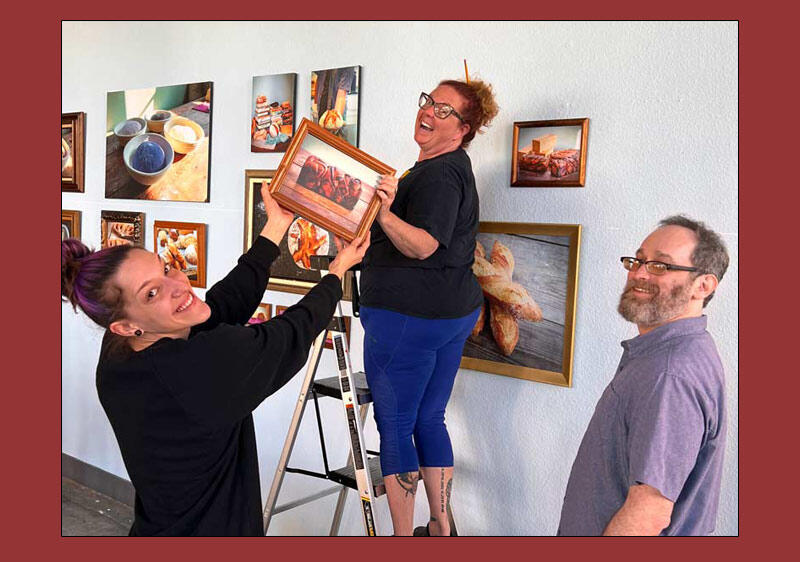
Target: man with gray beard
[(650, 462)]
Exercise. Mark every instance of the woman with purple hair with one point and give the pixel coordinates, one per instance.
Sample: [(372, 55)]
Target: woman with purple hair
[(179, 378)]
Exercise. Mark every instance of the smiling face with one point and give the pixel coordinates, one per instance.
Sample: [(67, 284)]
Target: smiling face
[(437, 136), (158, 299), (650, 300)]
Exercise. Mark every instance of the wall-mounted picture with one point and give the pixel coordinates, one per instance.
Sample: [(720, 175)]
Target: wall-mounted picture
[(272, 112), (329, 338), (121, 227), (182, 245), (334, 101), (261, 314), (291, 272), (329, 182), (280, 309), (70, 224), (549, 153), (529, 277), (158, 143), (73, 143)]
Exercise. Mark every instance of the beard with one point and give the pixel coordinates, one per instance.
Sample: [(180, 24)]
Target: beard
[(661, 307)]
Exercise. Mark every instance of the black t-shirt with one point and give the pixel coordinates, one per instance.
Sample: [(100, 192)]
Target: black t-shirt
[(181, 409), (439, 196)]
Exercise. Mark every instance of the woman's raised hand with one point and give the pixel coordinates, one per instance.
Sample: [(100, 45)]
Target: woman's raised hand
[(348, 254), (278, 218)]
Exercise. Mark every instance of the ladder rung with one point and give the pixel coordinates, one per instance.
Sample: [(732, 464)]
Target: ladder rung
[(330, 387), (347, 476)]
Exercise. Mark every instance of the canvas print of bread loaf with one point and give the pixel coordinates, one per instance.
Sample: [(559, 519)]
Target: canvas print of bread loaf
[(182, 245), (291, 271), (272, 121), (549, 153), (121, 228), (334, 101), (158, 142), (528, 275)]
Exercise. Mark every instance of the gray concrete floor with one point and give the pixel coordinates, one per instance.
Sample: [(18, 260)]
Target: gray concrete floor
[(87, 513)]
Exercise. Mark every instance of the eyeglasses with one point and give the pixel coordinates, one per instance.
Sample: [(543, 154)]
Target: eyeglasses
[(653, 267), (440, 109)]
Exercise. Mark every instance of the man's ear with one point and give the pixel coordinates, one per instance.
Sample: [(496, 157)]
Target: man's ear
[(704, 285), (122, 328)]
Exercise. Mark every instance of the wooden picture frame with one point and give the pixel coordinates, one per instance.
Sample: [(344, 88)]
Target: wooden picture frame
[(544, 263), (286, 274), (534, 151), (329, 182), (182, 245), (73, 151), (280, 309), (261, 314), (70, 224), (121, 227)]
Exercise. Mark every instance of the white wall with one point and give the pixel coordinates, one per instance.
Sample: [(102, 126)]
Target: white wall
[(662, 99)]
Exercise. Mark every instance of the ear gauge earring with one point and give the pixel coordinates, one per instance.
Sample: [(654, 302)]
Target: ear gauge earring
[(138, 332)]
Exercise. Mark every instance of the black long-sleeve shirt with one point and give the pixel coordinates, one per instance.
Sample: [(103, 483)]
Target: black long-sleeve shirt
[(181, 409)]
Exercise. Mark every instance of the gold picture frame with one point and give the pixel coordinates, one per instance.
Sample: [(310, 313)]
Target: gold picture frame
[(329, 182), (174, 246), (70, 224), (549, 153), (285, 274), (544, 262), (73, 149)]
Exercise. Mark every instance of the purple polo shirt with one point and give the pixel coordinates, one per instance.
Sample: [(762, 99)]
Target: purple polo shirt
[(661, 422)]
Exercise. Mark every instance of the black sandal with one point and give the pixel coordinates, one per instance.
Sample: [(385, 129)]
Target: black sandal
[(426, 532)]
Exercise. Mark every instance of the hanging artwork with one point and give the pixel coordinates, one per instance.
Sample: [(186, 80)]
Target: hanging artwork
[(335, 99), (70, 224), (272, 112), (121, 227), (549, 153), (182, 245), (158, 143), (73, 143), (261, 314), (291, 271), (529, 277)]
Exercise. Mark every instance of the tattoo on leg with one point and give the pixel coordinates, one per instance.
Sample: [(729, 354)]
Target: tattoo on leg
[(449, 489), (408, 481), (441, 493)]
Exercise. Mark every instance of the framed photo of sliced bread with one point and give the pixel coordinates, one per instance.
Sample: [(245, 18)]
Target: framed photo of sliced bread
[(291, 271), (73, 143), (549, 153), (529, 276), (329, 182), (182, 245), (272, 112), (121, 227), (70, 224)]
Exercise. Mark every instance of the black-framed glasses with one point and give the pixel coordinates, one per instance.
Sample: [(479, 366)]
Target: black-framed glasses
[(653, 267), (440, 109)]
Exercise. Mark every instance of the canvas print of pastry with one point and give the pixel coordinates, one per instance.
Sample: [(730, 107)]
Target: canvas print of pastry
[(525, 320), (335, 99), (550, 153), (158, 143), (183, 245), (272, 112), (121, 228)]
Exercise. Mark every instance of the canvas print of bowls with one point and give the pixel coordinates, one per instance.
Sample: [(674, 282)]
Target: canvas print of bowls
[(130, 128), (148, 157), (64, 154), (157, 119), (183, 134)]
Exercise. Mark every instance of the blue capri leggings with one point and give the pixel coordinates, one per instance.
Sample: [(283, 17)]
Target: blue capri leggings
[(411, 365)]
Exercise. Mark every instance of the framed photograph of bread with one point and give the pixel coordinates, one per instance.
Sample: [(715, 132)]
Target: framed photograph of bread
[(280, 309), (121, 227), (291, 271), (261, 314), (549, 153), (73, 143), (335, 99), (329, 182), (529, 276), (158, 142), (70, 224), (272, 106), (182, 245)]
